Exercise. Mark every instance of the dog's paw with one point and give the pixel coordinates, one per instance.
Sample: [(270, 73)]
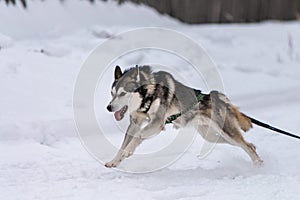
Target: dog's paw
[(259, 163), (111, 164)]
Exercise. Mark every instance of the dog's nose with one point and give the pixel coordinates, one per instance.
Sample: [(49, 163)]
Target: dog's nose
[(109, 108)]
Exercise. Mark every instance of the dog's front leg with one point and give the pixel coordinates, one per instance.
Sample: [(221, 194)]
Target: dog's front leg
[(136, 120), (154, 127), (119, 157)]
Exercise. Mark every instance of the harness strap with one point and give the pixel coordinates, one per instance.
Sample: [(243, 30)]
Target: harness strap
[(171, 118)]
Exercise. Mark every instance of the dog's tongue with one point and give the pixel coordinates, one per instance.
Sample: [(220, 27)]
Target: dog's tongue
[(118, 115)]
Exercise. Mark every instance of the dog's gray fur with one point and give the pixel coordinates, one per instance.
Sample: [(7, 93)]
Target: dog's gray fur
[(151, 97)]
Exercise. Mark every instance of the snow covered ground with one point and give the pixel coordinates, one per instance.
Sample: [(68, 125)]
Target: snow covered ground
[(41, 155)]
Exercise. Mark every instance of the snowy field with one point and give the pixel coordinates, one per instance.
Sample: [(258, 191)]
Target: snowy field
[(41, 51)]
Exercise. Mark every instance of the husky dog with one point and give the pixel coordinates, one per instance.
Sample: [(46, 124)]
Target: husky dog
[(156, 98)]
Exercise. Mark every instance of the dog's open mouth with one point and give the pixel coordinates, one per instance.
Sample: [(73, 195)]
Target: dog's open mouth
[(120, 113)]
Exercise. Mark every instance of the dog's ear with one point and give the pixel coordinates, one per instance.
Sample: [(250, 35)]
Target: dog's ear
[(118, 72)]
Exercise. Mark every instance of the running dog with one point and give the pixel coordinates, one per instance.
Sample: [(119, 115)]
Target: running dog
[(155, 99)]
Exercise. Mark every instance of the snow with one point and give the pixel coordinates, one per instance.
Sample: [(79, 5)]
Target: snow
[(5, 41), (41, 155)]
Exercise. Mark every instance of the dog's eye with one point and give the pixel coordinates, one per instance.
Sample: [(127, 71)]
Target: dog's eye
[(122, 94)]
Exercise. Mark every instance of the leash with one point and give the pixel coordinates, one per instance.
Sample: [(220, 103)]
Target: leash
[(171, 118), (258, 123)]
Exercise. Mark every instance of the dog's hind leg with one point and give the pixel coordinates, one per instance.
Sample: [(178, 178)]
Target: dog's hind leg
[(251, 150), (238, 140), (209, 130)]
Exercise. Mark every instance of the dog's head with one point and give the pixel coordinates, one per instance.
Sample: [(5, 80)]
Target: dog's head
[(122, 90)]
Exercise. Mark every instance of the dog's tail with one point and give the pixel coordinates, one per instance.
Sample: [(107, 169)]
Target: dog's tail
[(243, 120), (259, 123)]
